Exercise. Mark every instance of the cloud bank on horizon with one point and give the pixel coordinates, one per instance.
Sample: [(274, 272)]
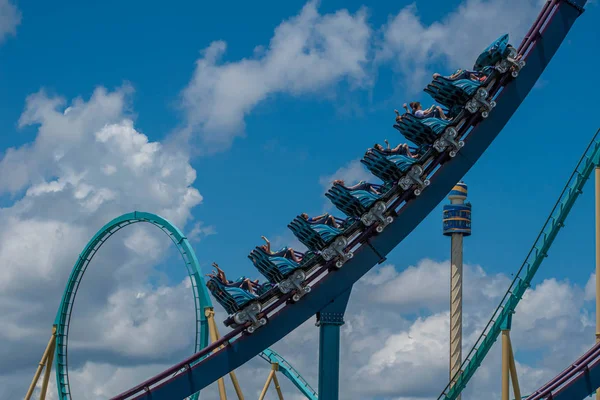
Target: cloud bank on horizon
[(89, 162)]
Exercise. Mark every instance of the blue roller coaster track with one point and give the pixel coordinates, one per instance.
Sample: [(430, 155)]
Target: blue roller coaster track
[(577, 381), (405, 210)]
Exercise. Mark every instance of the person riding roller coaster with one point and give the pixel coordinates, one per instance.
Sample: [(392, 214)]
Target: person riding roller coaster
[(432, 112), (242, 283), (402, 149), (362, 185), (286, 252), (475, 76), (324, 219)]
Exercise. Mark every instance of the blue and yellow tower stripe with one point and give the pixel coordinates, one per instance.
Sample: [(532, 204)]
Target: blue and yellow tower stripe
[(457, 217), (459, 191)]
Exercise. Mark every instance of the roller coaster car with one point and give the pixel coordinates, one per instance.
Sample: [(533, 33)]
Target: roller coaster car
[(388, 167), (500, 55), (330, 242), (241, 304), (367, 206), (464, 92), (286, 273), (442, 134)]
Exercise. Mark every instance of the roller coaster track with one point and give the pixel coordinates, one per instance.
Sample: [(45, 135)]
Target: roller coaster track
[(63, 316), (202, 300), (196, 372), (579, 380), (289, 372), (523, 278)]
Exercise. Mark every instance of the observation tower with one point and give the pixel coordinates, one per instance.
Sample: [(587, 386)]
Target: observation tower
[(457, 224)]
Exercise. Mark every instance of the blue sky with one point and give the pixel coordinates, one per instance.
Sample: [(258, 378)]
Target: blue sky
[(290, 141), (284, 143)]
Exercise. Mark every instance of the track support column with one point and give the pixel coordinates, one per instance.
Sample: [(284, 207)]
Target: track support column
[(272, 378), (509, 369), (329, 321), (214, 335), (45, 363)]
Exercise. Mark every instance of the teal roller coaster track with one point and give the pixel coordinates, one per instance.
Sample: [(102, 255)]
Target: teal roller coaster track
[(202, 300)]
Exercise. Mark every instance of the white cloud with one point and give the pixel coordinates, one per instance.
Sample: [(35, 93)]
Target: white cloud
[(351, 173), (426, 286), (72, 150), (312, 52), (10, 18), (590, 288), (377, 341), (307, 54), (149, 311), (455, 41), (87, 165), (199, 231), (386, 355)]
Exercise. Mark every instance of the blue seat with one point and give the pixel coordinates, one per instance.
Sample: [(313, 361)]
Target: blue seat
[(422, 132), (274, 268), (264, 288), (455, 93), (493, 54), (353, 203), (387, 167), (316, 236), (232, 298)]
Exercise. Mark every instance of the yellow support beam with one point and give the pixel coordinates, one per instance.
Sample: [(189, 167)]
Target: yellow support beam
[(513, 372), (212, 329), (266, 387), (45, 362), (275, 368), (47, 371), (505, 364), (214, 336), (509, 368), (272, 378)]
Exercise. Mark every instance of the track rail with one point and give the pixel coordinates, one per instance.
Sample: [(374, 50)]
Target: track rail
[(288, 371), (370, 248), (579, 380), (527, 271), (202, 299), (63, 316)]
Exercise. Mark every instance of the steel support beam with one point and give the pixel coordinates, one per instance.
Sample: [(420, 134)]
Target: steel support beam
[(329, 321)]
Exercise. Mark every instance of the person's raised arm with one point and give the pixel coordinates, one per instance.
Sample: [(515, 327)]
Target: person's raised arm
[(267, 245), (355, 187)]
